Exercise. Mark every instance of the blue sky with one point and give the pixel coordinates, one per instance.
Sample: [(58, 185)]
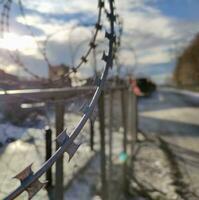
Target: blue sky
[(158, 30), (180, 9)]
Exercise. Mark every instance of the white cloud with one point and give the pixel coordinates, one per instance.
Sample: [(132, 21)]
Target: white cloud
[(154, 56), (12, 69), (24, 43), (12, 41), (146, 29), (62, 6), (47, 26)]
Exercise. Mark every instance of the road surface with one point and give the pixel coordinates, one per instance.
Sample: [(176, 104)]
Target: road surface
[(175, 116)]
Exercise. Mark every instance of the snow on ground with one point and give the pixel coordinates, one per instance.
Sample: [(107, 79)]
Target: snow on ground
[(165, 112), (181, 91), (174, 117), (29, 147), (189, 96), (84, 186), (9, 132)]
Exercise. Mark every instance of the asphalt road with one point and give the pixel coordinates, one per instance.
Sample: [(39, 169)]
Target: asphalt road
[(175, 116)]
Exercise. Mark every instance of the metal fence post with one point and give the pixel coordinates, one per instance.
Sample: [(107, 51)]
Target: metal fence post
[(124, 109), (48, 136), (92, 132), (59, 190), (111, 95), (102, 145), (132, 125), (133, 119)]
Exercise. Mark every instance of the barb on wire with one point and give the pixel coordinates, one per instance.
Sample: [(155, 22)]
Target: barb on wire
[(35, 186), (119, 31), (118, 43)]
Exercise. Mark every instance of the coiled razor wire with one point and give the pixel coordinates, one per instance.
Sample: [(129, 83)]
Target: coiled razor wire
[(16, 58), (30, 180), (93, 43), (4, 26)]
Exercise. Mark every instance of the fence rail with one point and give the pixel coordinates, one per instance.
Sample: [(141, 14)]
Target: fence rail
[(40, 95), (44, 95), (51, 94)]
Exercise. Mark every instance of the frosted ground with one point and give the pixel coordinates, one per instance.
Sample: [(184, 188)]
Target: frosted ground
[(171, 114)]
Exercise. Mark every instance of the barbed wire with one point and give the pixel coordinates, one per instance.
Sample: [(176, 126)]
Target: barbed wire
[(92, 43), (30, 180), (84, 58), (117, 44), (5, 16), (4, 27)]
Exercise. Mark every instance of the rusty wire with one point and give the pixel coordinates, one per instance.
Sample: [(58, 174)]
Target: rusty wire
[(30, 180)]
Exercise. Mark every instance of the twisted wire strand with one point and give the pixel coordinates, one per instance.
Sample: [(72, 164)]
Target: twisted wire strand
[(84, 58), (18, 61), (92, 43), (118, 22)]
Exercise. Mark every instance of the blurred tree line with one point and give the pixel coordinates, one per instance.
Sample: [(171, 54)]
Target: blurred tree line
[(186, 74)]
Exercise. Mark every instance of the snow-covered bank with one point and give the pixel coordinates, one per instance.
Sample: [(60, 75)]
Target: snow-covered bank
[(181, 91), (191, 97), (28, 146)]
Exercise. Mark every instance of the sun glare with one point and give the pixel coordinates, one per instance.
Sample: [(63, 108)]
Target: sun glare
[(12, 41)]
